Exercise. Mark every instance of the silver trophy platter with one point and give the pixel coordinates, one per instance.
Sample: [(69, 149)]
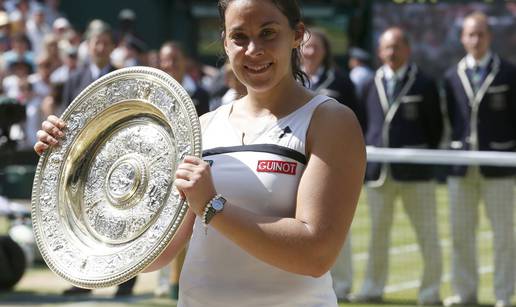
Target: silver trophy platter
[(103, 201)]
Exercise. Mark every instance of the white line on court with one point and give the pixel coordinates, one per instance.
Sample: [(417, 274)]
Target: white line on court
[(412, 248), (407, 285)]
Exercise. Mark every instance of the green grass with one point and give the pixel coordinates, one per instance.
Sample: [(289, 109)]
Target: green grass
[(40, 285), (406, 267)]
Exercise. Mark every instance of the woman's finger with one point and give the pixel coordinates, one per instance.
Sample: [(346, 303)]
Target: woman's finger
[(194, 160), (46, 138), (56, 121), (183, 174), (40, 147), (182, 184), (187, 166), (51, 129)]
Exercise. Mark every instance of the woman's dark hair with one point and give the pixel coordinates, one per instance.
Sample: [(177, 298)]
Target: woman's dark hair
[(291, 10), (327, 60)]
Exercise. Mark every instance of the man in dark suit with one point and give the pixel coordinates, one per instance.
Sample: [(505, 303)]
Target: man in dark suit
[(325, 79), (481, 100), (100, 46), (403, 111), (173, 60)]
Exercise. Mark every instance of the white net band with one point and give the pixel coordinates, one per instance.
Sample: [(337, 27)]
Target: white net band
[(438, 156)]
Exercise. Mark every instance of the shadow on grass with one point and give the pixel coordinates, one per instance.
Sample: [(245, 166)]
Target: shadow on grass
[(400, 303), (20, 298)]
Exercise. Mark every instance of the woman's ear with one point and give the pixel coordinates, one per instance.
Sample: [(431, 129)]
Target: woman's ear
[(299, 34)]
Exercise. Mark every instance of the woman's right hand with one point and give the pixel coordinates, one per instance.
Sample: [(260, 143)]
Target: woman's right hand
[(51, 131)]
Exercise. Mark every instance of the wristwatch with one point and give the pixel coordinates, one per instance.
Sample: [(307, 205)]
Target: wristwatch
[(214, 206)]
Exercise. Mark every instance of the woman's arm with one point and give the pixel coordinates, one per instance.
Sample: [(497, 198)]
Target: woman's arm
[(328, 193)]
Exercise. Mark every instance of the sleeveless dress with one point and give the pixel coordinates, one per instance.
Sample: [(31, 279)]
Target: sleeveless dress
[(261, 177)]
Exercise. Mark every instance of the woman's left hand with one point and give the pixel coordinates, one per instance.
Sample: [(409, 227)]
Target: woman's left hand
[(193, 179)]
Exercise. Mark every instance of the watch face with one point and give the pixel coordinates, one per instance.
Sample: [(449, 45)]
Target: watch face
[(217, 204)]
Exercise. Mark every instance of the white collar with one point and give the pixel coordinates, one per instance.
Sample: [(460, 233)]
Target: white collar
[(96, 72), (314, 79), (189, 84), (472, 63), (399, 73)]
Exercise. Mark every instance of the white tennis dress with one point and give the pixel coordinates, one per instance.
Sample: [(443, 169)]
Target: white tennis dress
[(262, 177)]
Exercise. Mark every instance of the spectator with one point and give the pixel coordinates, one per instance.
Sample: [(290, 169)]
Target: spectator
[(172, 60), (32, 104), (51, 104), (318, 64), (20, 51), (70, 65), (325, 78), (236, 89), (18, 70), (481, 99), (100, 45), (52, 12), (37, 29), (360, 73), (403, 111)]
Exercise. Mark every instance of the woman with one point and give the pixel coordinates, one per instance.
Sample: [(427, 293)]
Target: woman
[(325, 77), (274, 233)]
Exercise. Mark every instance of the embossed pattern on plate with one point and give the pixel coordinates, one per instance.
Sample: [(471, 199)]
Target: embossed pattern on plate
[(103, 202)]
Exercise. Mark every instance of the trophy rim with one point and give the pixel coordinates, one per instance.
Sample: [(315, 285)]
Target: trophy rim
[(127, 273)]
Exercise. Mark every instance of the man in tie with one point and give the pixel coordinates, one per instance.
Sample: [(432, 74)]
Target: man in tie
[(481, 100), (402, 111), (100, 45)]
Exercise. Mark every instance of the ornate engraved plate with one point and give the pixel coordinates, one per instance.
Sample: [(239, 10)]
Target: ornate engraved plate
[(103, 202)]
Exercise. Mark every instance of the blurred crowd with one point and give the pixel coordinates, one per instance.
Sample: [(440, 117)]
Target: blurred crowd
[(45, 62)]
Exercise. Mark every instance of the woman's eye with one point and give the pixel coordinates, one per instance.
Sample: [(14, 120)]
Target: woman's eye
[(268, 33), (238, 37)]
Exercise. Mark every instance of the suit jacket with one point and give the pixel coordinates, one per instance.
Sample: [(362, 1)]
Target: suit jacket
[(412, 120), (78, 81), (485, 120), (337, 85), (201, 100)]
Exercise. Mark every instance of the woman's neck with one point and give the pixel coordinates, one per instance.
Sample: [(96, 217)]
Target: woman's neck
[(278, 101)]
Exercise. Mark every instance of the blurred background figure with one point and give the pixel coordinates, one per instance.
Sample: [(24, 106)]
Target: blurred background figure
[(131, 51), (52, 12), (18, 70), (360, 73), (403, 111), (100, 44), (232, 88), (481, 100), (20, 51), (37, 28), (69, 66), (173, 60), (126, 25), (327, 79)]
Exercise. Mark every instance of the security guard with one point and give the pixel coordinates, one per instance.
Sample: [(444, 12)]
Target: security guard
[(403, 111), (481, 100)]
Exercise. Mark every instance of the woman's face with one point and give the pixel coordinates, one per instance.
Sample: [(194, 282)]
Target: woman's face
[(259, 42)]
